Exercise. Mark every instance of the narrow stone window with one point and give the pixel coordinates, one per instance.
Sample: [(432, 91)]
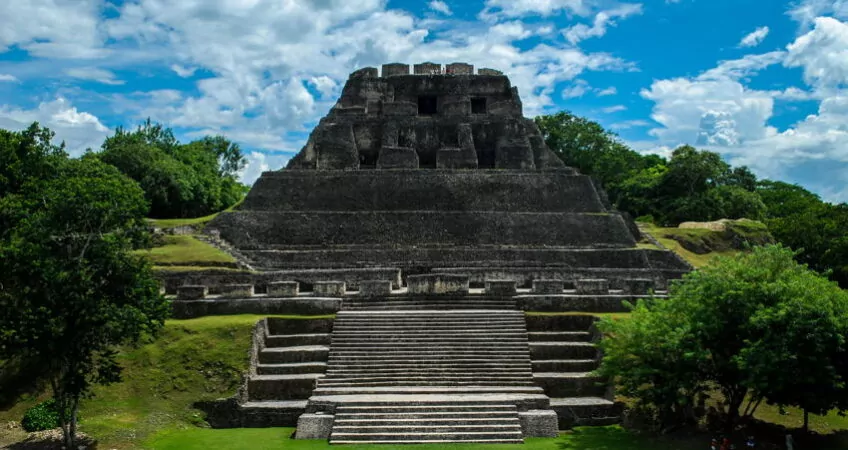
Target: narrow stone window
[(427, 105), (478, 105)]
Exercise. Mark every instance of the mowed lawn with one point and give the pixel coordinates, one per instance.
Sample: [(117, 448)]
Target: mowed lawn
[(600, 438)]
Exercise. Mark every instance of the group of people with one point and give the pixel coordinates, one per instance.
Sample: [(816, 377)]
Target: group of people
[(724, 443)]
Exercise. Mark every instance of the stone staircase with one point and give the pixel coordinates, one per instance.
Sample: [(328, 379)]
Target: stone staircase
[(562, 362), (428, 376), (398, 303), (406, 423)]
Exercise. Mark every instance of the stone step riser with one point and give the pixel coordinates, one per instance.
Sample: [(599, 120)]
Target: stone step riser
[(560, 337), (440, 437), (563, 351), (466, 328), (519, 371), (434, 383), (262, 369), (292, 341), (435, 418), (292, 357), (576, 365), (296, 389), (426, 428), (427, 441)]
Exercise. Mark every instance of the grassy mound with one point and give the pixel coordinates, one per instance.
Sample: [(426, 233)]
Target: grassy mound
[(700, 246), (186, 250)]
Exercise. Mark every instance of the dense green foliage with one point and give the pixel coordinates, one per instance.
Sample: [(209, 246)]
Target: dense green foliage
[(43, 416), (71, 291), (178, 180), (699, 186), (753, 327)]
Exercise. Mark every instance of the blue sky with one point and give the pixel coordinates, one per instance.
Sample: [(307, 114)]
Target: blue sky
[(763, 82)]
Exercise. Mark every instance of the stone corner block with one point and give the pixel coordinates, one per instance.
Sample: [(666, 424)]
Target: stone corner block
[(593, 286), (548, 287), (375, 288), (501, 287), (328, 288), (192, 292), (236, 290), (283, 288), (536, 423), (314, 426)]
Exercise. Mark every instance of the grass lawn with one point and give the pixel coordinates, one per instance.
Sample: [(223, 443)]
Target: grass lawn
[(185, 250), (191, 360), (601, 438)]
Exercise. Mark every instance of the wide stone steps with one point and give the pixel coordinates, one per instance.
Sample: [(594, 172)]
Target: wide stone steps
[(436, 422), (586, 411), (279, 355), (564, 365), (396, 305)]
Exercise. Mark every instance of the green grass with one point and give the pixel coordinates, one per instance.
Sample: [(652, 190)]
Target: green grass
[(794, 418), (601, 438), (191, 360), (695, 259), (173, 223), (185, 250)]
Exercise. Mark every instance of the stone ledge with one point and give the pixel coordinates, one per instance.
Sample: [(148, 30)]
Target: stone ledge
[(539, 423)]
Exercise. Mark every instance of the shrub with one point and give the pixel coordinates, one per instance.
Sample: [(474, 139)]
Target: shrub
[(43, 416)]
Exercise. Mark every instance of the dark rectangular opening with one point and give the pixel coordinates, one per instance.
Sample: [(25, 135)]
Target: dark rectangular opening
[(426, 105), (478, 105)]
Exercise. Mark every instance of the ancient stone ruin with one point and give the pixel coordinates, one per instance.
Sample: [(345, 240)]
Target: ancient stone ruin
[(428, 214)]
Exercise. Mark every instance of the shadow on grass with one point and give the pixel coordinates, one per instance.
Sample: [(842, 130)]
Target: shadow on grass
[(614, 438)]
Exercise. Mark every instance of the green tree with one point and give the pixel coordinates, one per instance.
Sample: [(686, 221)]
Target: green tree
[(757, 326), (71, 291), (178, 180)]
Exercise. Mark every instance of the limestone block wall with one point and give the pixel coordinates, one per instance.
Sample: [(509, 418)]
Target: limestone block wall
[(313, 228), (554, 191)]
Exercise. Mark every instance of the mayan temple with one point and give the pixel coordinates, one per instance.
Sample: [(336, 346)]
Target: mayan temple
[(428, 212)]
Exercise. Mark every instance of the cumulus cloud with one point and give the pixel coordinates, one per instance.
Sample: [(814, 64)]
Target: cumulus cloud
[(62, 29), (612, 90), (822, 53), (93, 74), (78, 129), (603, 20), (544, 8), (755, 38), (440, 6), (7, 77)]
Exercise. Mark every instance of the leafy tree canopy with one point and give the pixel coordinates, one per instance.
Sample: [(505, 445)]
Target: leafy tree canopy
[(755, 327), (178, 180)]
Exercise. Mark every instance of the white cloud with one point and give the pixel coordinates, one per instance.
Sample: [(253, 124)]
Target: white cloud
[(603, 20), (440, 6), (612, 90), (806, 11), (577, 90), (755, 38), (93, 74), (53, 28), (628, 124), (823, 54), (519, 8), (614, 109), (182, 71), (79, 130), (5, 77)]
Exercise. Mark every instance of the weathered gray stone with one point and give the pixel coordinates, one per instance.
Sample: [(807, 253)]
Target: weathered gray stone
[(490, 72), (314, 426), (394, 69), (539, 423), (328, 288), (236, 290), (375, 288), (501, 287), (283, 289), (596, 286), (459, 68), (191, 292), (397, 158), (548, 286), (437, 283), (427, 68), (638, 286)]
